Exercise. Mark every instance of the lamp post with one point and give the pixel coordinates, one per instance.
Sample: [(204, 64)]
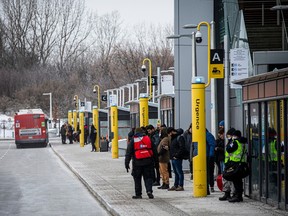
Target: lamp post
[(76, 100), (50, 94), (143, 68), (96, 118)]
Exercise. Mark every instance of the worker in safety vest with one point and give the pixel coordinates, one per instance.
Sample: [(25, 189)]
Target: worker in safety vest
[(236, 151)]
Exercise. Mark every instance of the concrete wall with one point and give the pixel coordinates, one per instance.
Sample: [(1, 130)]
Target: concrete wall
[(190, 12)]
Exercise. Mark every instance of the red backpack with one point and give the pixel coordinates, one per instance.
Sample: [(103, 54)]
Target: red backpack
[(142, 147)]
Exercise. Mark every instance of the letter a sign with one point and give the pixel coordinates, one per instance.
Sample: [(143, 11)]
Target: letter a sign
[(216, 69)]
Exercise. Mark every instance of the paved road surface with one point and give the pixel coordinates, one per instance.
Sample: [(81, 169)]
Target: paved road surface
[(34, 181)]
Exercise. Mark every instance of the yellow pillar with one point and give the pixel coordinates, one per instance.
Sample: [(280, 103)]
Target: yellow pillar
[(96, 125), (75, 120), (81, 127), (114, 130), (143, 111), (70, 117), (199, 138)]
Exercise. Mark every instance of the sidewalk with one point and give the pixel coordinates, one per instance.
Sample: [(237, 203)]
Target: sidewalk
[(108, 181)]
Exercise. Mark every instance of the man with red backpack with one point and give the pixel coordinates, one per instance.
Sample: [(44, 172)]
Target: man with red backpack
[(144, 157)]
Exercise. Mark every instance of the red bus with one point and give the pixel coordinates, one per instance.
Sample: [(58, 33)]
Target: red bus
[(30, 128)]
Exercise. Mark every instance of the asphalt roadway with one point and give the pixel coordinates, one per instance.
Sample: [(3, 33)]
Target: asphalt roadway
[(108, 181)]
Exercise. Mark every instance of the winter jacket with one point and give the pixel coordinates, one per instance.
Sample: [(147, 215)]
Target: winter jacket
[(130, 154), (164, 154), (177, 147), (219, 150), (210, 145)]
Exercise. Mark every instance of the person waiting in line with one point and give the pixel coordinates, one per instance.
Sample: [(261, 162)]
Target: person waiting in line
[(228, 187), (219, 151), (177, 150), (221, 124), (144, 157), (86, 134), (93, 135), (70, 134), (164, 156), (154, 136), (236, 150), (63, 132), (210, 146), (188, 143)]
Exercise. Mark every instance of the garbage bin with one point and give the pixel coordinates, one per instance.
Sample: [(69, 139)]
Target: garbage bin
[(103, 146)]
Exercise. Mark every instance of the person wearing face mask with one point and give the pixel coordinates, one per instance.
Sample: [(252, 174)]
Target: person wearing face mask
[(236, 151), (228, 186)]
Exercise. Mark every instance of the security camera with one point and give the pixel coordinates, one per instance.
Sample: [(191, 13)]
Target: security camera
[(74, 99), (143, 68), (198, 37), (94, 90)]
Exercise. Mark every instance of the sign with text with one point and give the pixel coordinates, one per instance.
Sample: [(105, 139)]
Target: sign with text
[(238, 65), (113, 100), (216, 69), (153, 80)]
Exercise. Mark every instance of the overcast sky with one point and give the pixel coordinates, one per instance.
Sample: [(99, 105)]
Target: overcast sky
[(136, 11)]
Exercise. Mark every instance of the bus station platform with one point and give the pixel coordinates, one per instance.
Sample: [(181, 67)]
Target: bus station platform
[(108, 180)]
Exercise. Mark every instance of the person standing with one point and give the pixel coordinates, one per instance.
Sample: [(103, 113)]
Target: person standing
[(163, 152), (210, 146), (155, 139), (236, 150), (188, 143), (228, 186), (219, 151), (86, 134), (177, 150), (63, 132), (93, 135), (144, 157), (70, 133)]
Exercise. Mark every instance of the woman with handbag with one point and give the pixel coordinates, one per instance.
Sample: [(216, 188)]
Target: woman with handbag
[(236, 151)]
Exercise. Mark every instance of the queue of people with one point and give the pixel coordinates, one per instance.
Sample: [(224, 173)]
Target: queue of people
[(164, 146)]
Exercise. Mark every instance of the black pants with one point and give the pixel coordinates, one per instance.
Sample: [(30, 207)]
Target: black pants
[(210, 172), (157, 177), (238, 184), (93, 144), (63, 138), (147, 172)]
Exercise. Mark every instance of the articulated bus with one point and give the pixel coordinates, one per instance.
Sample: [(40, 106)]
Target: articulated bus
[(30, 128)]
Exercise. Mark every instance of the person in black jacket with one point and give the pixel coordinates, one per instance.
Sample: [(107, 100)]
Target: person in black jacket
[(219, 151), (144, 157), (177, 151), (93, 135)]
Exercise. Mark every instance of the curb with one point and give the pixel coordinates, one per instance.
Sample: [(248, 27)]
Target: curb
[(90, 189)]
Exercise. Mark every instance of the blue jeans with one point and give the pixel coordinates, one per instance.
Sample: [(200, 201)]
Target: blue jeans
[(179, 175)]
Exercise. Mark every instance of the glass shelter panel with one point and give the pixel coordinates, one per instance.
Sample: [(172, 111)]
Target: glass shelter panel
[(255, 149), (263, 150), (272, 149)]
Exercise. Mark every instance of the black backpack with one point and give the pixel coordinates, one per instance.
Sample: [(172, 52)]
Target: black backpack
[(186, 154)]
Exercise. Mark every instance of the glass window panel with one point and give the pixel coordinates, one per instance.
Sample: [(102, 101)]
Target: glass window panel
[(263, 150), (255, 148), (272, 149)]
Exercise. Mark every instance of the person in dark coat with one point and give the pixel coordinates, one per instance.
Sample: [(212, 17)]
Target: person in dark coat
[(155, 139), (70, 134), (144, 157), (219, 151), (63, 132), (93, 134), (177, 151)]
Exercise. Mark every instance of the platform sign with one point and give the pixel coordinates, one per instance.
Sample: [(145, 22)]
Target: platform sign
[(216, 69)]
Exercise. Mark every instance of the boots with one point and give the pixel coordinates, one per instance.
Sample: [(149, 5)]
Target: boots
[(237, 198), (164, 186), (225, 197)]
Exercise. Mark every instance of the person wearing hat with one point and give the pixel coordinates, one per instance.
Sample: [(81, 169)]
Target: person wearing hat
[(228, 186), (221, 124), (144, 157), (236, 150)]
